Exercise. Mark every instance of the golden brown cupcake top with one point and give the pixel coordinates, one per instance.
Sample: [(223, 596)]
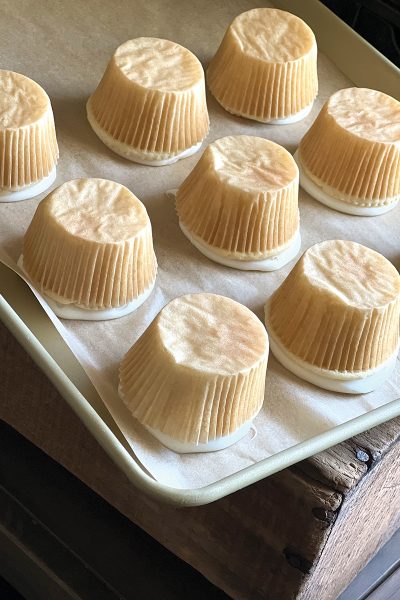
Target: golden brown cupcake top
[(22, 101), (158, 64), (272, 35), (366, 113), (212, 333), (252, 163), (351, 273), (97, 210)]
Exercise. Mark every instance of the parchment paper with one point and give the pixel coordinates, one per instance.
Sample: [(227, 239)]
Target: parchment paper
[(65, 47)]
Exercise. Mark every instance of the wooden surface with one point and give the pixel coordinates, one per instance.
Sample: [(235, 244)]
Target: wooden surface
[(59, 540), (308, 528)]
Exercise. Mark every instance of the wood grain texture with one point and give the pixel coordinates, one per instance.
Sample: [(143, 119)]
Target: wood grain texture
[(277, 539), (368, 517), (343, 466)]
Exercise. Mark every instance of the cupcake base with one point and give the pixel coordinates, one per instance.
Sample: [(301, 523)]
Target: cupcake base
[(351, 209), (29, 191), (211, 446), (359, 382), (76, 312), (272, 263), (299, 116), (151, 159)]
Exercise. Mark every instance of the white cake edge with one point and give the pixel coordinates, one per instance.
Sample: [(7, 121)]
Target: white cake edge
[(295, 118), (334, 381), (133, 154), (272, 263), (299, 116), (73, 312), (351, 209), (29, 191), (219, 443)]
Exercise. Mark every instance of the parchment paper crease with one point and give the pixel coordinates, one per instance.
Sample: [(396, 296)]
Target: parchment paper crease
[(69, 46)]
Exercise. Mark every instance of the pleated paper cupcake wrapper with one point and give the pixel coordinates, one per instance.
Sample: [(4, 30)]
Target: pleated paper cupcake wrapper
[(27, 154), (91, 275), (135, 154), (252, 88), (349, 168), (234, 223), (330, 373), (73, 311), (182, 403), (160, 123), (345, 339)]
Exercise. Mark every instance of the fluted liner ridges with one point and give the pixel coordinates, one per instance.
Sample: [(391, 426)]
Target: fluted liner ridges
[(92, 275), (149, 120), (29, 153), (166, 397), (355, 172), (237, 221), (247, 86), (330, 336)]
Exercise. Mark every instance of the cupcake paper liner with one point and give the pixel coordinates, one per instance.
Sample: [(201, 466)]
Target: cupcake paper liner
[(72, 268), (218, 204), (166, 389), (246, 82), (28, 144), (339, 308), (162, 120), (352, 149)]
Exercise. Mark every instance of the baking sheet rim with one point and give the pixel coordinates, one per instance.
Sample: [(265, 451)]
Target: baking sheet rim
[(268, 466), (137, 476)]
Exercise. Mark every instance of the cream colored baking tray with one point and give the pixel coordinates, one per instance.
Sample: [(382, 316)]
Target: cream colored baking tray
[(26, 320)]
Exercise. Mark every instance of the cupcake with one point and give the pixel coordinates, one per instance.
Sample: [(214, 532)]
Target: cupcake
[(89, 250), (350, 158), (266, 67), (150, 107), (334, 321), (239, 205), (28, 143), (196, 377)]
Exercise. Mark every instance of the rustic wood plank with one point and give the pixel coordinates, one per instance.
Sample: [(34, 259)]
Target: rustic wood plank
[(266, 541), (368, 517), (343, 466), (337, 467)]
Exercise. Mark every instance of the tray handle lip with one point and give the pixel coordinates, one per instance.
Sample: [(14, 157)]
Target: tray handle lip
[(180, 497)]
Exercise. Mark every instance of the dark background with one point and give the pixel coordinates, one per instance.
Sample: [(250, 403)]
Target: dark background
[(378, 21)]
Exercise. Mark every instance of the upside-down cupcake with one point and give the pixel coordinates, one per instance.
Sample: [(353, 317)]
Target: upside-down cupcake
[(334, 321), (350, 157), (28, 144), (266, 67), (239, 205), (196, 377), (150, 106), (89, 250)]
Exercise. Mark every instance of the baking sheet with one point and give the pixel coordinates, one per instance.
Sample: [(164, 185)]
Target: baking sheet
[(294, 410)]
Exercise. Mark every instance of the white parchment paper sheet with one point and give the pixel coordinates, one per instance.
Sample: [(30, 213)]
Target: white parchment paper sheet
[(69, 46)]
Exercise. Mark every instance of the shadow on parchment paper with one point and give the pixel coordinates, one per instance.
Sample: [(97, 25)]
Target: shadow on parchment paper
[(12, 246), (174, 252), (74, 132), (236, 125)]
